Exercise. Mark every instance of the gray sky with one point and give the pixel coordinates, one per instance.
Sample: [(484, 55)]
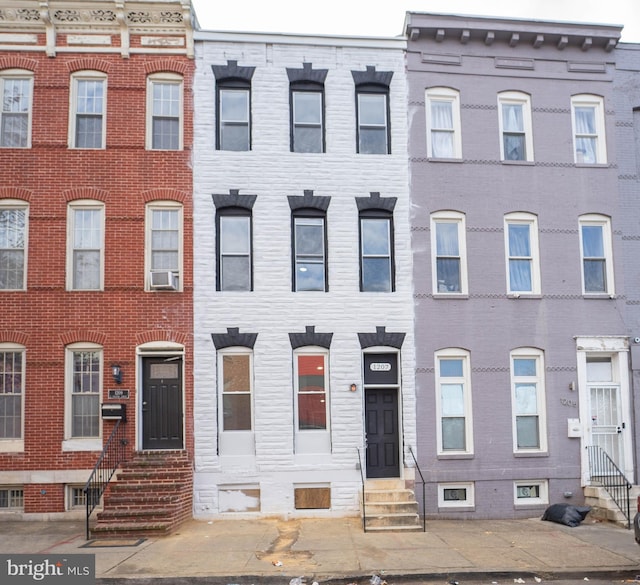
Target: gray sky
[(386, 17)]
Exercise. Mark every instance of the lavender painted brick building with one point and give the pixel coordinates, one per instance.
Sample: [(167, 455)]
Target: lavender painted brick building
[(518, 236)]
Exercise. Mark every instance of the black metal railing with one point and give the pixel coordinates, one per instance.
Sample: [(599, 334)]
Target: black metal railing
[(112, 455), (364, 509), (424, 510), (604, 471)]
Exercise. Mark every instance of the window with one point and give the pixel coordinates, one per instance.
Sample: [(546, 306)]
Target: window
[(597, 255), (528, 400), (84, 384), (307, 134), (531, 492), (311, 389), (521, 246), (16, 87), (77, 498), (456, 495), (11, 498), (443, 123), (12, 364), (376, 268), (13, 244), (164, 245), (448, 245), (233, 131), (88, 110), (164, 112), (86, 246), (309, 253), (236, 391), (373, 132), (516, 135), (453, 401), (234, 259), (588, 129)]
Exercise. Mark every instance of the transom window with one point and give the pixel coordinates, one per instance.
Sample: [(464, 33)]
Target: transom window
[(88, 110), (443, 123), (521, 245), (13, 244), (588, 129), (597, 255), (164, 112), (448, 253), (516, 142), (16, 88), (86, 246)]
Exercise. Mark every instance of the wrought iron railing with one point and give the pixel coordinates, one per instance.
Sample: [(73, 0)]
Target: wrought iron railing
[(364, 509), (604, 471), (112, 455), (424, 510)]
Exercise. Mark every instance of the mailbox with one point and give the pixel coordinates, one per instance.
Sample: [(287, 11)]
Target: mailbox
[(114, 411)]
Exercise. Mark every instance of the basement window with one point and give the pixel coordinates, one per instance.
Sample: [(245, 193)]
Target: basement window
[(312, 497), (11, 498), (456, 495)]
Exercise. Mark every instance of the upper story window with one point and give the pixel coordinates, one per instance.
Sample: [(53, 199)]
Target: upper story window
[(521, 250), (233, 106), (444, 139), (372, 110), (13, 244), (164, 111), (597, 254), (234, 241), (16, 87), (448, 253), (84, 390), (163, 249), (306, 87), (12, 379), (588, 129), (516, 142), (528, 400), (85, 258), (88, 110)]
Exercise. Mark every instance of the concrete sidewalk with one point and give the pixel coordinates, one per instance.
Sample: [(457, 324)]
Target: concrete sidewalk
[(324, 550)]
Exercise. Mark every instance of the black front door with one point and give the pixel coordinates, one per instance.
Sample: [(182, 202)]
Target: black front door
[(383, 446), (162, 403)]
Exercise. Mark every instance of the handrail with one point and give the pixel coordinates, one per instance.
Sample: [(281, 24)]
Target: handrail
[(608, 474), (364, 511), (424, 510), (112, 455)]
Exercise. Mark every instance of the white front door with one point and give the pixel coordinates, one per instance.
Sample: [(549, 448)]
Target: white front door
[(606, 422)]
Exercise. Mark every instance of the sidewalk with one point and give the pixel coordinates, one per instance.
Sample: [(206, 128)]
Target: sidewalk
[(275, 551)]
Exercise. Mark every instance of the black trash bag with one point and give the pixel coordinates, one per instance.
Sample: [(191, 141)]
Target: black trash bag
[(566, 514)]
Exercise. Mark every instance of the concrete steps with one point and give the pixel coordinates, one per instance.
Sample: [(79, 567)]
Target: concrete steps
[(604, 508), (390, 507)]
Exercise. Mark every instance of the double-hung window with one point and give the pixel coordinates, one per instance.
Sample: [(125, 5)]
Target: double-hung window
[(16, 88), (373, 122), (12, 379), (236, 391), (88, 110), (85, 260), (376, 246), (164, 245), (13, 244), (597, 255), (164, 111), (528, 400), (521, 249), (443, 123), (449, 257), (84, 390), (588, 129), (453, 401), (234, 245), (307, 113), (234, 127), (516, 135), (309, 246)]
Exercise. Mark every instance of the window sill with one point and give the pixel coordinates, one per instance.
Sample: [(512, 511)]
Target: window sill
[(598, 296), (592, 165), (11, 446), (519, 163), (445, 160), (455, 456), (459, 296), (82, 445), (516, 296), (464, 508), (531, 454)]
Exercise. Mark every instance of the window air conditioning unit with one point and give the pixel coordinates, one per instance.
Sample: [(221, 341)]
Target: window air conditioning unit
[(166, 280)]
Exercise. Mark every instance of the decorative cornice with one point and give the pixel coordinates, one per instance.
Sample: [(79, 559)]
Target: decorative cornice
[(310, 337), (233, 338)]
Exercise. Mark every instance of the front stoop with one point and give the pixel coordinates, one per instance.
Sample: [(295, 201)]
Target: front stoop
[(604, 508), (390, 507), (152, 495)]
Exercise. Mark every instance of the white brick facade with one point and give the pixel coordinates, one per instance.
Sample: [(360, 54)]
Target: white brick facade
[(271, 310)]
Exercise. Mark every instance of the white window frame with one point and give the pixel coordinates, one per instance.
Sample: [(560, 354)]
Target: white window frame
[(77, 77), (163, 206), (312, 440), (597, 103), (12, 75), (235, 442), (543, 490), (72, 208), (72, 443), (530, 220), (16, 444), (234, 252), (467, 503), (452, 97), (454, 217), (603, 221), (165, 78), (522, 99), (463, 355), (18, 205), (541, 410)]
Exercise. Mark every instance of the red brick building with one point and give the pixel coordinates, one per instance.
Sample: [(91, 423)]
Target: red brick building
[(95, 241)]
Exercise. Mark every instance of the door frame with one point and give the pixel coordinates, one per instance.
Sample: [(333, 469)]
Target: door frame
[(160, 350)]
